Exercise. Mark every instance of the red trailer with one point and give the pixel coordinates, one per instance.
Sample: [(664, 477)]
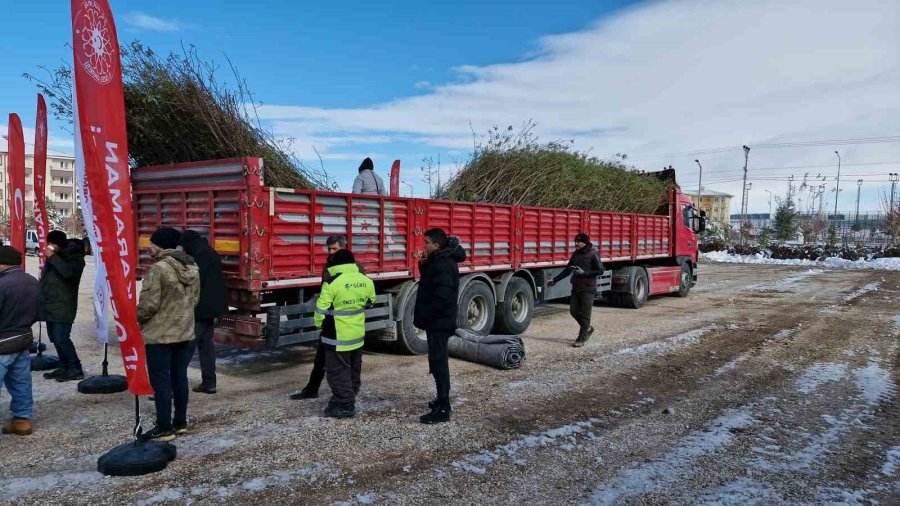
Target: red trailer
[(272, 243)]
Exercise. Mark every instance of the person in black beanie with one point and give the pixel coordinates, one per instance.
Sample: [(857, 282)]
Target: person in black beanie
[(165, 312), (212, 304), (584, 267), (368, 182), (58, 301)]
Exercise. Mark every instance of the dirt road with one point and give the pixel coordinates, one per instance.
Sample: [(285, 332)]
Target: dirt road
[(767, 385)]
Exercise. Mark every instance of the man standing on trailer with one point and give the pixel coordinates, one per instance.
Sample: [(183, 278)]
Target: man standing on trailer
[(333, 244), (436, 313), (340, 314), (368, 182), (584, 267)]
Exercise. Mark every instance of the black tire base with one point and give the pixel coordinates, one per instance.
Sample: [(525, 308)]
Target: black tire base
[(110, 384), (137, 458), (44, 362)]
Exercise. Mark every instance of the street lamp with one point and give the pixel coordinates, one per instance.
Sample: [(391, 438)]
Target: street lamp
[(770, 203), (699, 186), (410, 187)]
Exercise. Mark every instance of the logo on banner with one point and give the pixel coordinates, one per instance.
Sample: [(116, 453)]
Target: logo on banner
[(92, 28), (19, 203)]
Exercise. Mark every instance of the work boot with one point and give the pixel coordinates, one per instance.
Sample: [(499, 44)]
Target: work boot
[(582, 341), (203, 389), (304, 394), (440, 413), (158, 434), (18, 426), (70, 375), (339, 412), (59, 371)]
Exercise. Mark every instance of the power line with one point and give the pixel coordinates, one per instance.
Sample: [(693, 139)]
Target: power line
[(778, 145)]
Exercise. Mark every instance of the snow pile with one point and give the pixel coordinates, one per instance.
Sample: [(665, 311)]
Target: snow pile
[(888, 263)]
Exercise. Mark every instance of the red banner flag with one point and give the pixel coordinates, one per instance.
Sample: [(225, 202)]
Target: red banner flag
[(395, 179), (102, 142), (39, 179), (16, 174)]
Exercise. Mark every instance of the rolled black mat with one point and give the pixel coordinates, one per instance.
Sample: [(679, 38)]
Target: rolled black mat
[(500, 351)]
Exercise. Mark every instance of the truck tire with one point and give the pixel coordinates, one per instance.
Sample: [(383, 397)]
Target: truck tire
[(684, 280), (411, 340), (514, 313), (638, 288), (476, 309)]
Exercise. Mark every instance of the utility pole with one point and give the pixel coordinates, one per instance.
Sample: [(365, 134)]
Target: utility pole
[(837, 189), (770, 204), (858, 190), (893, 177), (699, 186), (744, 193)]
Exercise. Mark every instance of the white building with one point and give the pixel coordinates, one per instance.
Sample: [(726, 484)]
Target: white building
[(60, 187)]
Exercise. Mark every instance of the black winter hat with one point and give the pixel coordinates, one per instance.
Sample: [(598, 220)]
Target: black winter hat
[(57, 237), (10, 256), (583, 238), (166, 238), (341, 257), (191, 240), (367, 164)]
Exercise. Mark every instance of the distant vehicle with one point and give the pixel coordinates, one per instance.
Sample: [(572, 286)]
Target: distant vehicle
[(31, 242)]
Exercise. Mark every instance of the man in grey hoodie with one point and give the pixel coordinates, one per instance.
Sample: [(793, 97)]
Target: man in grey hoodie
[(368, 182)]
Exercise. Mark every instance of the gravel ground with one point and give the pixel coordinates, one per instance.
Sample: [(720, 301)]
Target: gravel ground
[(767, 385)]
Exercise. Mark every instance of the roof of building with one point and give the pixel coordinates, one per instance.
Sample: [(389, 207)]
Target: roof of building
[(709, 193)]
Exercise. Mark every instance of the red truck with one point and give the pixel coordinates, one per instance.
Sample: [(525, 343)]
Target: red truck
[(272, 244)]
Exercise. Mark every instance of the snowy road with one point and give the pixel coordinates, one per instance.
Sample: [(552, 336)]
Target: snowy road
[(767, 385)]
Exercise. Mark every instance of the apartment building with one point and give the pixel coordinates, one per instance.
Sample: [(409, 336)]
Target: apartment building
[(60, 183), (716, 204)]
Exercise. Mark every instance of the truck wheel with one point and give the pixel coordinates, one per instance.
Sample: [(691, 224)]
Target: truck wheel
[(476, 309), (684, 283), (411, 339), (514, 313), (638, 288)]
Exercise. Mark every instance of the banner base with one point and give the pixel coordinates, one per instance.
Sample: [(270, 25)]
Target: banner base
[(41, 362), (104, 384), (137, 458)]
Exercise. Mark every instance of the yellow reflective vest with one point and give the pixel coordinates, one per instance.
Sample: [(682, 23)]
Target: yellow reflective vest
[(344, 298)]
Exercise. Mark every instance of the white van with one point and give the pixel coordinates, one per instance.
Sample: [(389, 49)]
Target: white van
[(31, 242)]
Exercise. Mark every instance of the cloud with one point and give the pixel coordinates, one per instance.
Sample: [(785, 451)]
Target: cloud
[(141, 21), (423, 85), (668, 77), (65, 144)]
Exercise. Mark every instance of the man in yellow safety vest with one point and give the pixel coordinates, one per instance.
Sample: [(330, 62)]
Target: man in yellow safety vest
[(340, 314)]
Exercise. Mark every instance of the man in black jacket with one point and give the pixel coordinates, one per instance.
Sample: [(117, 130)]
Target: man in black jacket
[(333, 244), (584, 267), (63, 268), (436, 313), (18, 311), (211, 305)]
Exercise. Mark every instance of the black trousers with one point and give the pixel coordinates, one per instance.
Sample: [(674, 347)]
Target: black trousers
[(60, 335), (438, 363), (580, 306), (167, 366), (318, 371), (343, 370), (203, 341)]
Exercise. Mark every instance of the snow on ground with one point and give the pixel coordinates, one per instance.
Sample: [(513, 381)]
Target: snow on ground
[(889, 264)]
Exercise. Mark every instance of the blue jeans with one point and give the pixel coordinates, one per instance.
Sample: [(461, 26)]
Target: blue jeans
[(167, 366), (15, 371), (60, 336)]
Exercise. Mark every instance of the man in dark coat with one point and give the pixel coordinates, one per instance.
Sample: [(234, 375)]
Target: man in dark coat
[(333, 244), (58, 305), (18, 311), (211, 305), (584, 267), (436, 313)]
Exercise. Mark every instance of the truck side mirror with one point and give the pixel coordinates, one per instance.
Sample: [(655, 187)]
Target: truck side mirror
[(699, 223)]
